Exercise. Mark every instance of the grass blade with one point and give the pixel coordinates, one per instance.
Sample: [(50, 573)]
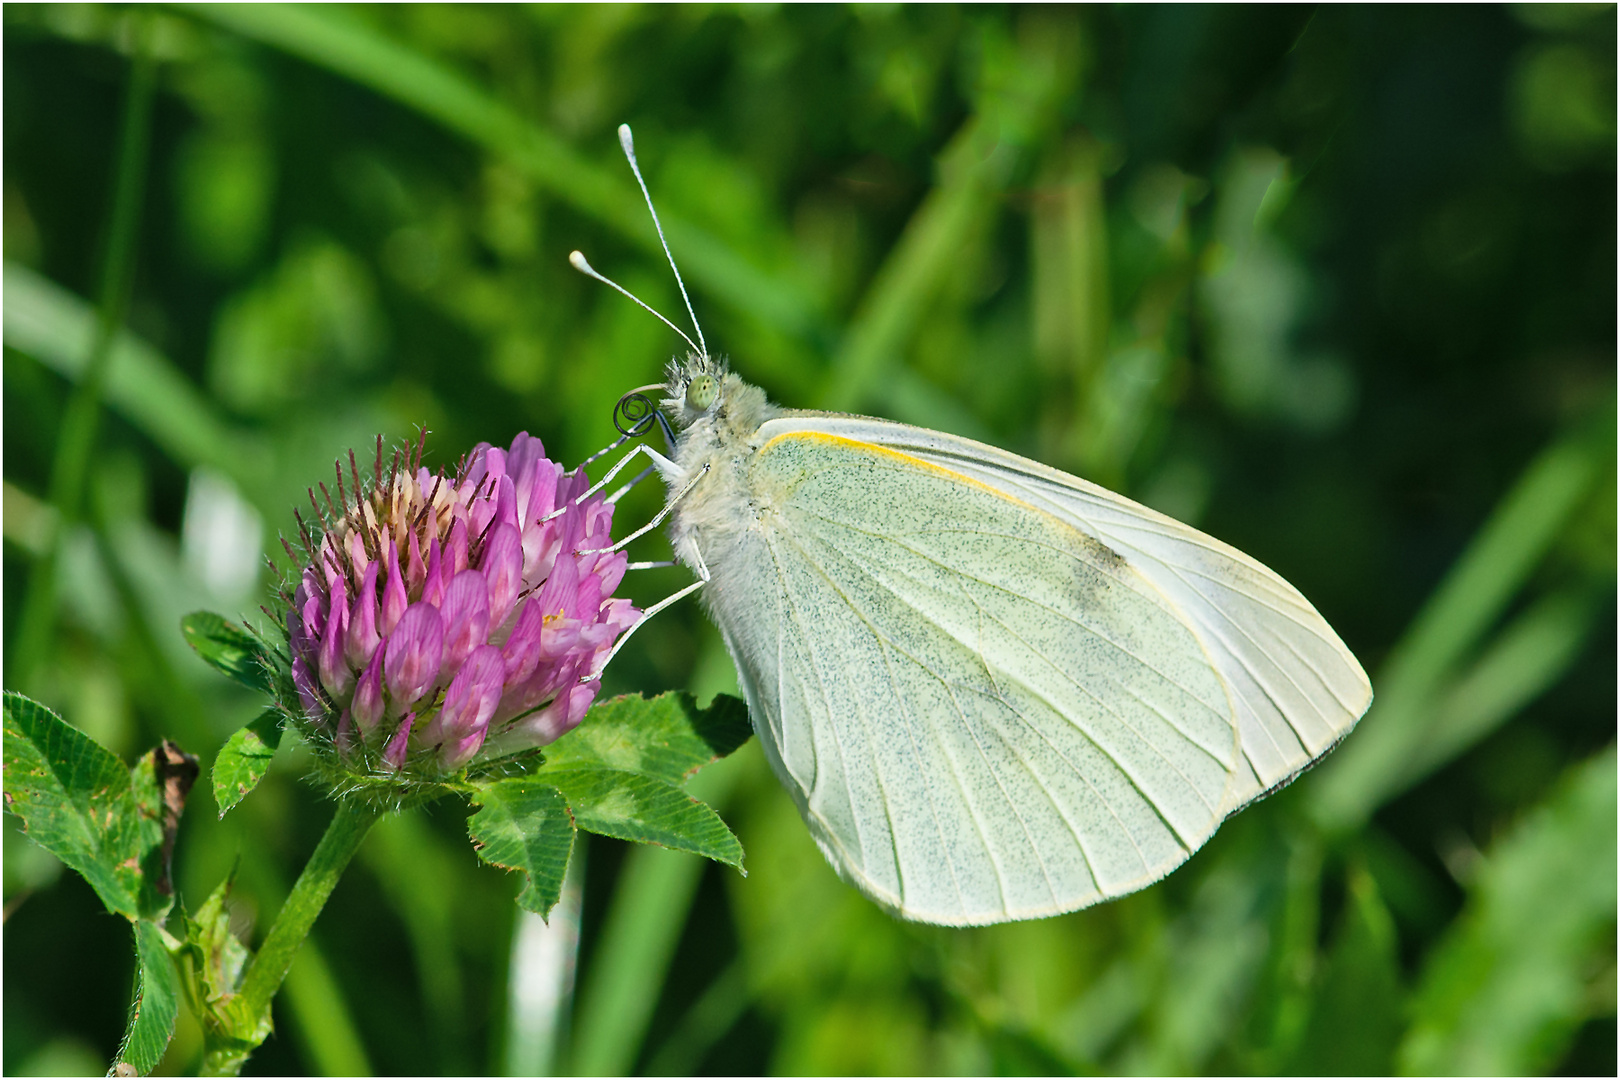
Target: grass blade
[(540, 987), (1480, 585), (1505, 990), (418, 872), (51, 325), (395, 70), (974, 170), (76, 438), (325, 1028), (643, 925)]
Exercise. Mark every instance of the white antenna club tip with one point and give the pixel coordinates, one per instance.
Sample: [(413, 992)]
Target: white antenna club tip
[(701, 348)]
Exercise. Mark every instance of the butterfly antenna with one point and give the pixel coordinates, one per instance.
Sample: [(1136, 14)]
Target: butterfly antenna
[(577, 260), (630, 153)]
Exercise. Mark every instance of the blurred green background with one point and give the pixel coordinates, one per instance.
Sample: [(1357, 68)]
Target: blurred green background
[(1336, 285)]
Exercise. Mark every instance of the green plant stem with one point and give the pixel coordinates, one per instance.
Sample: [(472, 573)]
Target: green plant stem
[(76, 439), (265, 974)]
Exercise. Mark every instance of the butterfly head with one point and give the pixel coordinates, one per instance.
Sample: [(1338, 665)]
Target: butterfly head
[(700, 389)]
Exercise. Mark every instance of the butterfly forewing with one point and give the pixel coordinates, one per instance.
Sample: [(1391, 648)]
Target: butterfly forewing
[(982, 712), (1295, 687)]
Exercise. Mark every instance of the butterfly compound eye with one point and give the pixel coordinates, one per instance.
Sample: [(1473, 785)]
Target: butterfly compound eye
[(701, 392)]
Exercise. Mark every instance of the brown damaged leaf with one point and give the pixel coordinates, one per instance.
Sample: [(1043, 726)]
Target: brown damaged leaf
[(175, 772)]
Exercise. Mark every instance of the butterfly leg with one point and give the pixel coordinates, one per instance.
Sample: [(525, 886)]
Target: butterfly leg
[(659, 462), (658, 518), (700, 568), (638, 624), (606, 450), (631, 483)]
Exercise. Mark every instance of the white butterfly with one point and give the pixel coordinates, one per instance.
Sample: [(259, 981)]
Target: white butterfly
[(995, 691)]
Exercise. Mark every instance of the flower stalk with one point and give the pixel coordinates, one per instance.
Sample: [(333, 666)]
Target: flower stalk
[(250, 1010)]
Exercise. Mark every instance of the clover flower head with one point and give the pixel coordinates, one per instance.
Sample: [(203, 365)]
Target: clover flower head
[(441, 621)]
